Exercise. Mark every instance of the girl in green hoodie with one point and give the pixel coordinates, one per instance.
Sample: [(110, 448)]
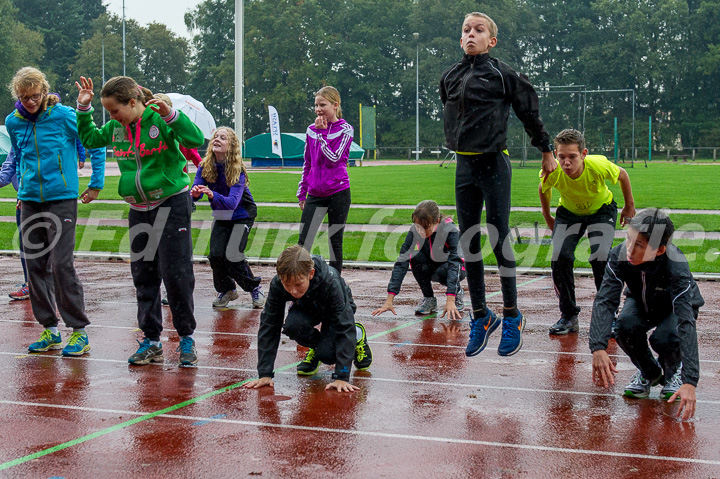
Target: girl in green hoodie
[(144, 133)]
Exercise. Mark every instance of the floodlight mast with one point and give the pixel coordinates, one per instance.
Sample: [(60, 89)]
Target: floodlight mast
[(239, 47)]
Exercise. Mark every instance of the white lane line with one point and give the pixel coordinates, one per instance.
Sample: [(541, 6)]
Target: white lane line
[(377, 434), (252, 371), (375, 341)]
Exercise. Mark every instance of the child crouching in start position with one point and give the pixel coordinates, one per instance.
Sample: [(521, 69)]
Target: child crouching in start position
[(431, 251), (661, 294), (320, 297)]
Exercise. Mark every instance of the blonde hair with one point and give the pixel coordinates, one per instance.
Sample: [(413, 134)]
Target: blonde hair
[(294, 262), (492, 26), (30, 78), (331, 94), (234, 165), (163, 97)]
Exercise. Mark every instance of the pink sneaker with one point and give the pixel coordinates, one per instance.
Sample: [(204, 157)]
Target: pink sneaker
[(22, 293)]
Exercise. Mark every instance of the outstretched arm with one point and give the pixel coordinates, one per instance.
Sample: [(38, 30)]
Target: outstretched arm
[(628, 210), (545, 198)]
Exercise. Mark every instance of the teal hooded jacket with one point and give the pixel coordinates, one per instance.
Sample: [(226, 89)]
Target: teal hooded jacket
[(46, 155)]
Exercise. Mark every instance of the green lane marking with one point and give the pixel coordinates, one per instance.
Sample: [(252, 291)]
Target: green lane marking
[(175, 407)]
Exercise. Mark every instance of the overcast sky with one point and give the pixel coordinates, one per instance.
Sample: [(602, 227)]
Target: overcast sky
[(169, 12)]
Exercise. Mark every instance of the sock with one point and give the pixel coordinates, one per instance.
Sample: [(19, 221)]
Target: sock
[(80, 330), (480, 313), (155, 343), (53, 329), (512, 312), (358, 333)]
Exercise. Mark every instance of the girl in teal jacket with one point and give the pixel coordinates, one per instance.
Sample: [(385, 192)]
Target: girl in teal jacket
[(43, 134), (144, 133)]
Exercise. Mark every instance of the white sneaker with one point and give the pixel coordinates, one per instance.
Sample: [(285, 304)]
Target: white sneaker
[(258, 297), (672, 385), (223, 299)]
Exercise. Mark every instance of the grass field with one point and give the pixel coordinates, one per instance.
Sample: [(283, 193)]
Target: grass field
[(680, 186), (662, 185)]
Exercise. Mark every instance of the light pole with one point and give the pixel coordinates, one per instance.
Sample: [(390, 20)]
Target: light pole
[(124, 74), (107, 29), (239, 48), (417, 96)]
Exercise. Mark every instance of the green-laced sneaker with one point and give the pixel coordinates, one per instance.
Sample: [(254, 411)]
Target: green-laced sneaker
[(363, 353), (147, 353), (77, 345), (310, 365), (48, 340)]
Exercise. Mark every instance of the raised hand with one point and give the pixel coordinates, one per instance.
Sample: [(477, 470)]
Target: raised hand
[(85, 90), (321, 123), (159, 106)]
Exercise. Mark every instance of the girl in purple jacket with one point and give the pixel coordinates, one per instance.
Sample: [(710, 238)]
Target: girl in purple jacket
[(223, 178), (325, 187)]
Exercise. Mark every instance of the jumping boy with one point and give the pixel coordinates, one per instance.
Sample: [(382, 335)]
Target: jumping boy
[(586, 203), (320, 297), (477, 94), (660, 293)]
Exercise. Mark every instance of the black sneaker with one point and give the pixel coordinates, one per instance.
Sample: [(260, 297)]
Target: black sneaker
[(363, 353), (188, 354), (147, 353), (310, 365), (565, 326)]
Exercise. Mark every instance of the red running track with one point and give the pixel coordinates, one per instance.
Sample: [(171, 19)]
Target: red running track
[(424, 410)]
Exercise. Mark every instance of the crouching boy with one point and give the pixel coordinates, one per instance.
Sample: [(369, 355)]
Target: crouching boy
[(661, 294), (319, 297)]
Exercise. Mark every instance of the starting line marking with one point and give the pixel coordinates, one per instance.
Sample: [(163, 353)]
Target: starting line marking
[(413, 437)]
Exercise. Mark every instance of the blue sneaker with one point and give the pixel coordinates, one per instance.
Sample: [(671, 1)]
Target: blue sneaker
[(188, 354), (77, 345), (511, 340), (480, 331), (48, 340)]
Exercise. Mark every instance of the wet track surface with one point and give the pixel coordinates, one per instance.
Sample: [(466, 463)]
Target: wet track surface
[(424, 409)]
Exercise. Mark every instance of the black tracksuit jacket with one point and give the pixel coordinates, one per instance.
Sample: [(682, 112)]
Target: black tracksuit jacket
[(328, 298), (659, 287), (477, 94), (441, 247)]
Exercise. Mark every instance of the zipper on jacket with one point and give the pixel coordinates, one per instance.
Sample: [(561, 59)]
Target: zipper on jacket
[(137, 162), (642, 275), (61, 170), (37, 152), (462, 99)]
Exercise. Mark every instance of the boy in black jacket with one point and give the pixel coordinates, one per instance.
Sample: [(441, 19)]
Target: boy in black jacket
[(477, 94), (320, 297), (660, 293)]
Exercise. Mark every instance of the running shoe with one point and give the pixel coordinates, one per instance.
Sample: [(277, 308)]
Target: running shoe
[(480, 331), (77, 345), (47, 341)]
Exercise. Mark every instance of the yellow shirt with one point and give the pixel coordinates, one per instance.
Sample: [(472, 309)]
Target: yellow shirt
[(588, 193)]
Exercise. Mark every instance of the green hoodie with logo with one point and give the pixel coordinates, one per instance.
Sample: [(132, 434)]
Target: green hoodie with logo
[(150, 162)]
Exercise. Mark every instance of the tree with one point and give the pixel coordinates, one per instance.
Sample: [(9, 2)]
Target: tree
[(20, 47), (64, 24), (164, 59)]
